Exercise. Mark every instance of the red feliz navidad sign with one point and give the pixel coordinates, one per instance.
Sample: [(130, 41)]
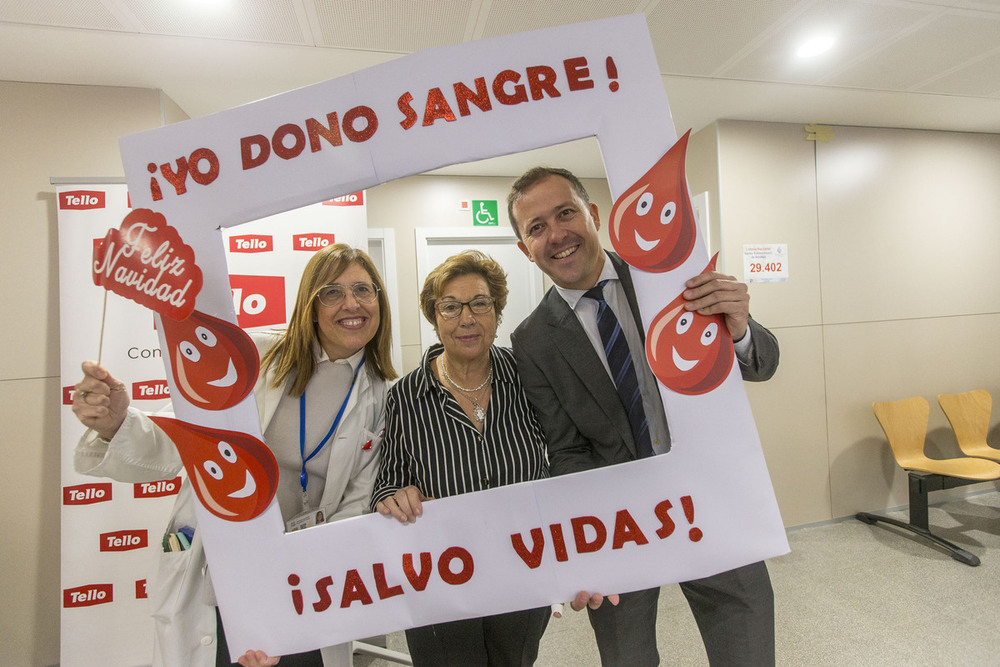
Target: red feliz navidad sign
[(146, 261)]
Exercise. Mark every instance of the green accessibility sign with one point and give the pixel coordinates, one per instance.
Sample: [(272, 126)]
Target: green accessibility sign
[(484, 212)]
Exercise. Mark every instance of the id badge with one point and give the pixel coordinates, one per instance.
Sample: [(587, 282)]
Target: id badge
[(303, 520)]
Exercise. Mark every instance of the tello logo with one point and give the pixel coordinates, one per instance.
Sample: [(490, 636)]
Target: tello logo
[(251, 243), (81, 200), (67, 395), (150, 390), (311, 242), (124, 540), (258, 300), (140, 589), (164, 487), (87, 494), (357, 199), (87, 596)]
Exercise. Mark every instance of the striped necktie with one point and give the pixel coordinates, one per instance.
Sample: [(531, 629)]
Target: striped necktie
[(622, 369)]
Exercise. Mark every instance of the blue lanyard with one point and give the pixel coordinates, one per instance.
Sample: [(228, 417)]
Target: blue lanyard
[(304, 477)]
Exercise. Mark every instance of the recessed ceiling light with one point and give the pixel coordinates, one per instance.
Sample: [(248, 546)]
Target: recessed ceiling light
[(815, 46)]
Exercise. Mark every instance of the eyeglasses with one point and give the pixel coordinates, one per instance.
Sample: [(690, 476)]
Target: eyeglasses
[(451, 309), (333, 295)]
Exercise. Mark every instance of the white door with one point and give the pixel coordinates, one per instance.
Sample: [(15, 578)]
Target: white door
[(382, 249), (524, 280)]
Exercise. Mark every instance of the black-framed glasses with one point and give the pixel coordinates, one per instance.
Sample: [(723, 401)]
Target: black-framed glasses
[(451, 309), (334, 294)]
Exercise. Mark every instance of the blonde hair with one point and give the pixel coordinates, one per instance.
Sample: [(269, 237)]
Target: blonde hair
[(293, 354), (462, 264)]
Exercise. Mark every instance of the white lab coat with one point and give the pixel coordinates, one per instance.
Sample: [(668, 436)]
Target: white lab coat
[(181, 597)]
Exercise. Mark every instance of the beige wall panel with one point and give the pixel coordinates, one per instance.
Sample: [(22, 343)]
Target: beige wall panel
[(790, 410), (63, 131), (30, 498), (912, 220), (171, 112), (702, 167), (51, 130), (768, 195), (886, 361)]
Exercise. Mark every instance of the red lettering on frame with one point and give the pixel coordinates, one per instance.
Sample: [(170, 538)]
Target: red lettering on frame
[(354, 590), (444, 566), (580, 537), (381, 587), (418, 579), (531, 558), (627, 530)]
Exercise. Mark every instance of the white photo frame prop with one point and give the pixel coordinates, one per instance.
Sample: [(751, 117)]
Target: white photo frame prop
[(423, 111)]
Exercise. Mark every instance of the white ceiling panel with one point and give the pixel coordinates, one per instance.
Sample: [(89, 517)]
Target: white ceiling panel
[(976, 79), (256, 20), (395, 26), (699, 37), (944, 44), (92, 14), (506, 17), (858, 27)]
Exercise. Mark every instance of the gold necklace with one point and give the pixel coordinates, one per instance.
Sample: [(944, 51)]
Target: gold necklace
[(478, 412)]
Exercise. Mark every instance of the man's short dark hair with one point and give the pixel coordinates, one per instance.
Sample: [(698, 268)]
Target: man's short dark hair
[(534, 175)]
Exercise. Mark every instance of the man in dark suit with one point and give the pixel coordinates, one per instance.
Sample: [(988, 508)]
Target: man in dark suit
[(566, 374)]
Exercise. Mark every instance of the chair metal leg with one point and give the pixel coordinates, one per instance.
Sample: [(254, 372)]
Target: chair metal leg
[(957, 552), (920, 485), (383, 653)]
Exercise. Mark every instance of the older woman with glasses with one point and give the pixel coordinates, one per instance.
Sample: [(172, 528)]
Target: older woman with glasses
[(464, 404), (321, 400)]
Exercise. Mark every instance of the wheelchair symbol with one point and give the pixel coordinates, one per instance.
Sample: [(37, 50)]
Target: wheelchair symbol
[(483, 217)]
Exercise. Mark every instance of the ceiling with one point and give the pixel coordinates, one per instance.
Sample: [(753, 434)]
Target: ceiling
[(929, 64)]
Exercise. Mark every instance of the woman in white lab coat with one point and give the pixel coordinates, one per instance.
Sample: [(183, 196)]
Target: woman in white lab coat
[(335, 353)]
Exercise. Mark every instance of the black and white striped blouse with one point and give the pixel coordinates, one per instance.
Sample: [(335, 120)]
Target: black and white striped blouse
[(432, 444)]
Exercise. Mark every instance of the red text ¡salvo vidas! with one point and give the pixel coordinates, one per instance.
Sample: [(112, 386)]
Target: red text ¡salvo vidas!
[(146, 261)]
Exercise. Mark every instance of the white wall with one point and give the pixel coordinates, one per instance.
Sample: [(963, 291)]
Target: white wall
[(894, 291)]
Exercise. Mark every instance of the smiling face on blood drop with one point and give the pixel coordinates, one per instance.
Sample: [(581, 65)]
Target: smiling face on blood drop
[(346, 328), (234, 475), (214, 363), (652, 224), (689, 353)]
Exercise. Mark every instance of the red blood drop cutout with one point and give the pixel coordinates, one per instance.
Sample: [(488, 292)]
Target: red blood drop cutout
[(652, 224), (234, 475), (214, 363), (689, 353)]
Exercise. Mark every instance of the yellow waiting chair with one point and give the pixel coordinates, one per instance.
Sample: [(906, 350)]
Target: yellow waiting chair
[(969, 415), (905, 425)]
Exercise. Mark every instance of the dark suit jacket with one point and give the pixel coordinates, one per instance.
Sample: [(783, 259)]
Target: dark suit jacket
[(574, 397)]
